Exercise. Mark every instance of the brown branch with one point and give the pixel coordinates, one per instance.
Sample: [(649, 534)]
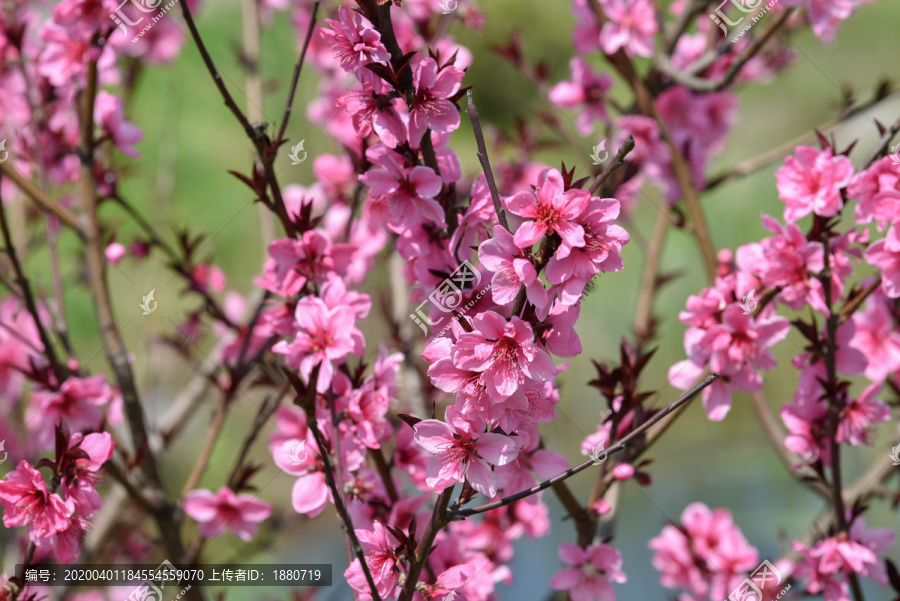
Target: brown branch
[(40, 199), (643, 312), (439, 519), (309, 406), (212, 435), (456, 514), (59, 369), (680, 166), (688, 79), (617, 162), (485, 161), (257, 135), (117, 354), (296, 77)]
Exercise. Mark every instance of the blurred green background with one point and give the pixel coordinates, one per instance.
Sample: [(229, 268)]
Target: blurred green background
[(191, 140)]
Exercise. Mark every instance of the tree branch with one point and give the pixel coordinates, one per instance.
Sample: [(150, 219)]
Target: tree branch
[(457, 514)]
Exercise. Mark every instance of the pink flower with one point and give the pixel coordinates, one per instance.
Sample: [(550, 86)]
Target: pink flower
[(324, 336), (460, 453), (592, 570), (354, 40), (27, 502), (115, 252), (877, 338), (586, 90), (511, 269), (215, 512), (827, 566), (409, 193), (549, 210), (379, 548), (885, 255), (825, 15), (878, 191), (503, 352), (293, 263), (603, 242), (80, 401), (431, 107), (373, 110), (857, 417), (78, 484), (811, 181), (735, 348), (787, 261), (109, 113), (632, 25), (708, 555)]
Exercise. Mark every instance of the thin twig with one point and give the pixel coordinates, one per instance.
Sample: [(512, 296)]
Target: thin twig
[(296, 77), (439, 519), (40, 199), (117, 353), (485, 161), (618, 161), (49, 350), (457, 514)]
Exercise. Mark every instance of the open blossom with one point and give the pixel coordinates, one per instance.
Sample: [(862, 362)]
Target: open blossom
[(549, 209), (877, 191), (826, 567), (372, 109), (858, 417), (431, 107), (511, 269), (409, 192), (109, 113), (825, 15), (603, 242), (459, 452), (379, 547), (877, 337), (80, 401), (708, 555), (789, 262), (503, 352), (811, 181), (216, 512), (885, 255), (632, 26), (27, 502), (591, 573), (325, 336), (79, 483), (735, 348), (586, 91), (354, 41)]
